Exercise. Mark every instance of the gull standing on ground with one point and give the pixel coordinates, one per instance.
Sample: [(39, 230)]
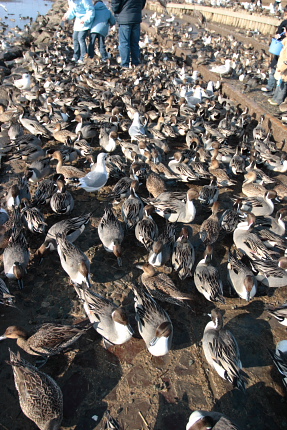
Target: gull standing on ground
[(97, 178)]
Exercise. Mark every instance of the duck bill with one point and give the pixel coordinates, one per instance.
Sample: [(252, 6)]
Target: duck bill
[(3, 337), (120, 262), (20, 284)]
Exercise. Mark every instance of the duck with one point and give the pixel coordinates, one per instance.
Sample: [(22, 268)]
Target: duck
[(160, 168), (204, 420), (162, 247), (210, 228), (63, 136), (6, 298), (154, 323), (271, 273), (29, 153), (49, 339), (155, 184), (279, 312), (4, 216), (40, 397), (250, 187), (248, 242), (230, 218), (274, 224), (259, 206), (82, 147), (38, 170), (222, 352), (69, 172), (111, 423), (281, 190), (108, 139), (279, 358), (182, 170), (146, 230), (132, 207), (32, 125), (241, 278), (74, 262), (121, 189), (277, 164), (71, 227), (88, 130), (161, 286), (209, 193), (111, 233), (62, 201), (271, 240), (16, 256), (13, 196), (172, 208), (237, 163), (97, 177), (207, 279), (183, 255), (222, 177), (33, 218), (108, 319)]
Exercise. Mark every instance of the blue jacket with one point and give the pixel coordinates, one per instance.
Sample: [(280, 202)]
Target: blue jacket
[(82, 10), (128, 11), (103, 19)]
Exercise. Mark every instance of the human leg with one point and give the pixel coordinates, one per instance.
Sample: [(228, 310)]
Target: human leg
[(124, 39), (271, 84), (102, 47), (82, 42), (91, 49), (279, 94), (135, 49), (76, 44)]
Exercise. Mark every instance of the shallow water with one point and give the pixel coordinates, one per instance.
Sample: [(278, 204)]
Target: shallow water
[(19, 12)]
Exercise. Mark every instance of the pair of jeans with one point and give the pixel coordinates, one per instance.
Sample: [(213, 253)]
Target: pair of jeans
[(271, 84), (280, 92), (80, 47), (102, 45), (129, 37)]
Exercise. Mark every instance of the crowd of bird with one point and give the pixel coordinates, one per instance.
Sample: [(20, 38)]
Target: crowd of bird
[(172, 151)]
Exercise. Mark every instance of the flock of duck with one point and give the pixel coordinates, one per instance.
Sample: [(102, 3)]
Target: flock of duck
[(165, 159)]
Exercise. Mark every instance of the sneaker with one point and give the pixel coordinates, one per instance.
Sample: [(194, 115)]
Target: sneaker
[(283, 107), (80, 62), (273, 102), (265, 89), (74, 59)]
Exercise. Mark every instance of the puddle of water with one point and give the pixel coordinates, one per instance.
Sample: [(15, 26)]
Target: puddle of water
[(14, 13)]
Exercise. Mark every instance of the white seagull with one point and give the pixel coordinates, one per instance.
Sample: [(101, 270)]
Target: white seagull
[(137, 129), (97, 178), (223, 69), (24, 83)]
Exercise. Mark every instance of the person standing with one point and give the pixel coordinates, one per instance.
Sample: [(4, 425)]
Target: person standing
[(129, 16), (281, 77), (100, 28), (83, 11), (280, 35)]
